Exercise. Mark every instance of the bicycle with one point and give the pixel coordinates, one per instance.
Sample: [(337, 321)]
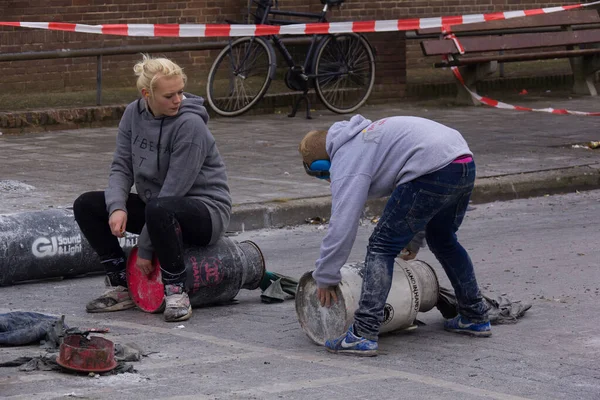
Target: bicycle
[(340, 67)]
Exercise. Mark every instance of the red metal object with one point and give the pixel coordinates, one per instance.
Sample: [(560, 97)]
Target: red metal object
[(146, 291), (79, 353)]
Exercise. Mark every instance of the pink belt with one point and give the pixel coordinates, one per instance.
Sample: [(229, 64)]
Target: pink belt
[(463, 159)]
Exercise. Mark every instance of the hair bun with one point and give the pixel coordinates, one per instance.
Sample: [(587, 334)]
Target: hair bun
[(138, 69)]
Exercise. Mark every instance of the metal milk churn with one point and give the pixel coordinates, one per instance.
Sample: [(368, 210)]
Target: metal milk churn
[(214, 274), (415, 289), (46, 244)]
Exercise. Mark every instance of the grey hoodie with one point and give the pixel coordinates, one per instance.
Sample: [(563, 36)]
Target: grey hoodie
[(169, 156), (370, 159)]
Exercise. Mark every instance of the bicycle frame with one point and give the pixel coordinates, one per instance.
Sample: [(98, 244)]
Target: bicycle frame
[(278, 43)]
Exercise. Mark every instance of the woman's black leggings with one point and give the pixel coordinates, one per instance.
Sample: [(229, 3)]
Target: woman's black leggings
[(171, 221)]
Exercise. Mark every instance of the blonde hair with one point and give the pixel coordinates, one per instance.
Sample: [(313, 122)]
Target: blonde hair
[(149, 70)]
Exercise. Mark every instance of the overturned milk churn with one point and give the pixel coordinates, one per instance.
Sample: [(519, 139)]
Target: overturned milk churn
[(46, 244), (415, 289), (214, 274)]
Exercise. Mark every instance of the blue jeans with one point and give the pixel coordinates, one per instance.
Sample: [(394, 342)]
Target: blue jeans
[(436, 203)]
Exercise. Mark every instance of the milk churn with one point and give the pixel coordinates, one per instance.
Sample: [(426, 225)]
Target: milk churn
[(215, 274), (46, 244), (415, 288)]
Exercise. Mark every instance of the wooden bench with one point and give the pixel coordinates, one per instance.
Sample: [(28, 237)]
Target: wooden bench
[(565, 34)]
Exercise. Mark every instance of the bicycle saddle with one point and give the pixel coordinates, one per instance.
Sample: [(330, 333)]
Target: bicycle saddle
[(332, 2)]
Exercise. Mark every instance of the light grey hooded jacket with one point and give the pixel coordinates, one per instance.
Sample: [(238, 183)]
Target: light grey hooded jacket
[(169, 156), (369, 160)]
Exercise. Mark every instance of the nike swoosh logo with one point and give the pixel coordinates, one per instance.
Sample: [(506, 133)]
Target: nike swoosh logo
[(461, 325), (345, 344)]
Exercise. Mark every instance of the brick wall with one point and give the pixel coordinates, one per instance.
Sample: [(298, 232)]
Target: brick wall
[(393, 54), (80, 73)]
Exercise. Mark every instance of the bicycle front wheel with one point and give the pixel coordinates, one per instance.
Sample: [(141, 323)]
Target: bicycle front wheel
[(344, 72), (240, 76)]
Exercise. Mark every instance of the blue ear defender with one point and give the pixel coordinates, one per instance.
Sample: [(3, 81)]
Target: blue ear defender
[(318, 169), (320, 165)]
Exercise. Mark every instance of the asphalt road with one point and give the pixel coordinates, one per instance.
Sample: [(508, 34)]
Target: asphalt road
[(541, 250)]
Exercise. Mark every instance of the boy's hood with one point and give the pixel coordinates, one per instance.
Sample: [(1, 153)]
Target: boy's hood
[(343, 131)]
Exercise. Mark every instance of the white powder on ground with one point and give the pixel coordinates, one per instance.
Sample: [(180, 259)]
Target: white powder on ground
[(15, 186), (126, 377)]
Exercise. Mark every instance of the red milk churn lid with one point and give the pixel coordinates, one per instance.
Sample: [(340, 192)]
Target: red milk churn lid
[(146, 291), (78, 353)]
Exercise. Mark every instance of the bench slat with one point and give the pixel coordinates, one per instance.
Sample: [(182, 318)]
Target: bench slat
[(511, 42), (576, 17), (518, 57)]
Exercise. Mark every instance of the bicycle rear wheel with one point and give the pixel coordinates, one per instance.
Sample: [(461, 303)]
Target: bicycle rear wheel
[(344, 72), (240, 76)]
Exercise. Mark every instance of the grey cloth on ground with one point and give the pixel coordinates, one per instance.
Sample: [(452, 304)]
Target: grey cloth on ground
[(47, 362), (280, 288), (502, 310), (129, 352)]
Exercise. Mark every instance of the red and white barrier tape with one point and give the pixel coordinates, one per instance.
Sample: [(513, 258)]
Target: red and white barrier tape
[(498, 104), (228, 30)]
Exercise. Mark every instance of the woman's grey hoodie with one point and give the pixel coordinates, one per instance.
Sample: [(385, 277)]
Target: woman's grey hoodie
[(169, 156), (369, 160)]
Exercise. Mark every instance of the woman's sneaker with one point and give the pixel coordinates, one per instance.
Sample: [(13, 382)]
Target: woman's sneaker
[(177, 304), (116, 298), (349, 343), (460, 324)]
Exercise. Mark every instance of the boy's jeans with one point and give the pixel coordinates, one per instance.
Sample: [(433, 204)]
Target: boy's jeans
[(435, 203)]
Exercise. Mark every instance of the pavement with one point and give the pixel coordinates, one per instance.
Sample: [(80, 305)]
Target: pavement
[(541, 250), (518, 154)]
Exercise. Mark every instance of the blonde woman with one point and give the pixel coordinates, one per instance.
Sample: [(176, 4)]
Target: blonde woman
[(165, 149)]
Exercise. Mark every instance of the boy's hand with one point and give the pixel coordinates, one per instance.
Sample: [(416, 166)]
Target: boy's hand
[(407, 255), (327, 296)]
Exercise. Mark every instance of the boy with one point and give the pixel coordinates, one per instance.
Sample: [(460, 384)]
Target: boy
[(429, 171)]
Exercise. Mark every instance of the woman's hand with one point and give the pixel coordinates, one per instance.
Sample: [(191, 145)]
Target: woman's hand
[(144, 265), (327, 296), (118, 222)]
